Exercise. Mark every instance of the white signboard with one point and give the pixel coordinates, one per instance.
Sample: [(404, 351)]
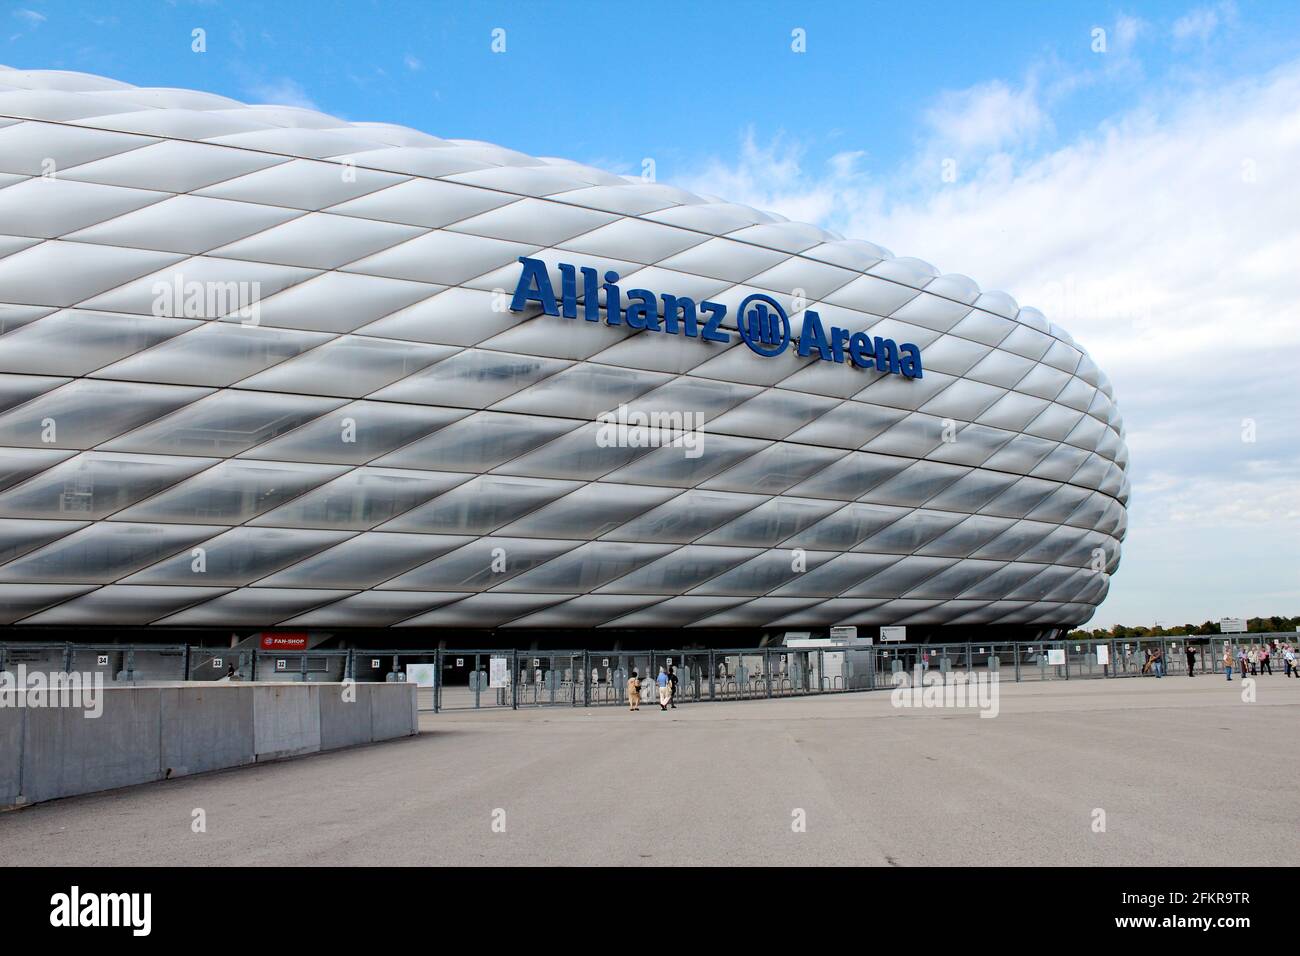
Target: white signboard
[(460, 662), (499, 672), (1055, 656), (216, 662), (844, 633), (103, 660), (374, 663), (1103, 654), (421, 675), (1232, 625), (281, 664), (604, 662), (893, 633)]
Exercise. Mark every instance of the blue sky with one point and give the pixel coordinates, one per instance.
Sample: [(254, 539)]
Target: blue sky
[(617, 82), (1143, 196)]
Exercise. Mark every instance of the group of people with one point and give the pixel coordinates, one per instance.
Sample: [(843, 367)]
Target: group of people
[(666, 682), (1254, 659), (1258, 659)]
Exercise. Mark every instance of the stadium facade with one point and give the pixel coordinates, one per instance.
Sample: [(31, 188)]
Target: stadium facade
[(263, 368)]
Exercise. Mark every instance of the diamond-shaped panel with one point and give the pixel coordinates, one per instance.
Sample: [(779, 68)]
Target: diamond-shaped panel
[(280, 341)]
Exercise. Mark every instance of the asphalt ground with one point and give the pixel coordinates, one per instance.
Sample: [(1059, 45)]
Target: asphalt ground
[(1184, 771)]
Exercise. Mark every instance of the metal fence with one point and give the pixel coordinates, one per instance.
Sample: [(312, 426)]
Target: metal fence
[(495, 679)]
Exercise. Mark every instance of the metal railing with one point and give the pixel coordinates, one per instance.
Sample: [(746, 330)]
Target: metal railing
[(485, 678)]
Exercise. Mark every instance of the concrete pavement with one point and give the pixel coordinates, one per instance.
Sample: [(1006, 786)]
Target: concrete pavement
[(1185, 772)]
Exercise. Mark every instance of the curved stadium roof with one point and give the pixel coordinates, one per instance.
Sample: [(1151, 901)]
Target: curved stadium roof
[(376, 250)]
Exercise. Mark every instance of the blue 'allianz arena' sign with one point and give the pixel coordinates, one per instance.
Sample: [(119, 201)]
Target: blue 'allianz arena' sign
[(763, 323)]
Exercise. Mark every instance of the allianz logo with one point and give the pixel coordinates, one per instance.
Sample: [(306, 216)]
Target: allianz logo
[(763, 324)]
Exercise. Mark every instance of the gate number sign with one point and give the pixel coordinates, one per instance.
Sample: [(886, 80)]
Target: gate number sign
[(103, 660), (374, 663), (280, 664), (216, 662), (460, 662)]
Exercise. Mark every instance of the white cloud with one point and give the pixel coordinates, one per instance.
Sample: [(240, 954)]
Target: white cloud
[(281, 92), (1126, 33), (413, 63), (1202, 22), (773, 177), (1166, 239), (989, 116), (29, 21)]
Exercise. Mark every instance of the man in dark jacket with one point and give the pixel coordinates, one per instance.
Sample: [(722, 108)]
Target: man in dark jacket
[(672, 684)]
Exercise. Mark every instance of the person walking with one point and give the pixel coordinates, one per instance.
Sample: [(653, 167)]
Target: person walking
[(1227, 660), (1288, 655), (1158, 659), (672, 687), (1265, 656), (664, 690), (1253, 657), (1243, 660), (633, 692), (1191, 661)]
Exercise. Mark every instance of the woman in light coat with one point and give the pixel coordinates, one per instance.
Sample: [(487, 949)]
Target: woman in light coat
[(633, 692)]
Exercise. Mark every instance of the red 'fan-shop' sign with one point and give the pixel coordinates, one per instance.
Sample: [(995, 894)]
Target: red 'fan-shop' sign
[(284, 642)]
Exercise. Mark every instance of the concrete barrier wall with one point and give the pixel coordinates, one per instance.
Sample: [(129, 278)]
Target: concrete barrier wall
[(286, 719), (344, 723), (151, 733), (65, 752), (11, 755), (388, 718), (206, 727)]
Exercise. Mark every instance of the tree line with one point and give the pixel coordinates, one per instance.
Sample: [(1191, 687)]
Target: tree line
[(1255, 625)]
